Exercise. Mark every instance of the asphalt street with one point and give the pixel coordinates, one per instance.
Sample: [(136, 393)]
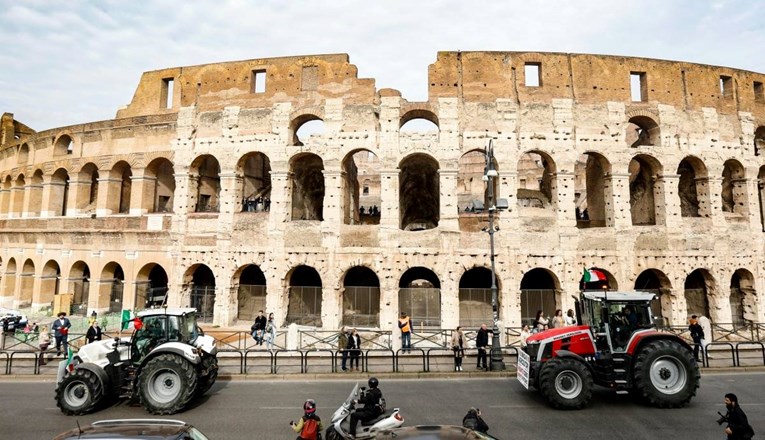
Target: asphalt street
[(263, 409)]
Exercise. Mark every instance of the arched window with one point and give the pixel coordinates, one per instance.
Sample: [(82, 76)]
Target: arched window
[(361, 206), (361, 298), (475, 297), (305, 295), (307, 172), (419, 295), (419, 193), (251, 293)]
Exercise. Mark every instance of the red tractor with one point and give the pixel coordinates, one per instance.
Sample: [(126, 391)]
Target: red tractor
[(615, 345)]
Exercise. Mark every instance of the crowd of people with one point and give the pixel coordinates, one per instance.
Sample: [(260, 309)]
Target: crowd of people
[(256, 204), (372, 211)]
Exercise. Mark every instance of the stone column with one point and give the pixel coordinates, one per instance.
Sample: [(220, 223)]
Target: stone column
[(108, 200), (281, 205), (508, 189), (671, 212), (715, 201), (389, 198), (620, 187), (52, 197), (751, 193), (142, 192), (33, 201), (564, 199), (224, 311), (450, 303), (5, 202), (448, 215), (78, 196), (333, 197), (17, 201)]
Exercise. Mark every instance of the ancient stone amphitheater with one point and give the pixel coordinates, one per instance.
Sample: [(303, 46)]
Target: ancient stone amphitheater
[(293, 186)]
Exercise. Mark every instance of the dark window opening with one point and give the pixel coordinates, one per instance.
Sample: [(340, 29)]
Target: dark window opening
[(726, 86), (759, 92)]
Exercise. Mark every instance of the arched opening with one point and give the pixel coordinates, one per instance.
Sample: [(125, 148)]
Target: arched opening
[(643, 171), (26, 289), (161, 193), (151, 287), (59, 192), (251, 293), (733, 192), (472, 190), (203, 292), (536, 181), (592, 191), (79, 286), (693, 188), (419, 193), (653, 280), (743, 298), (122, 171), (475, 297), (10, 279), (540, 290), (419, 295), (49, 285), (418, 120), (64, 145), (642, 131), (87, 189), (305, 127), (305, 296), (255, 169), (696, 290), (23, 154), (596, 278), (759, 140), (307, 172), (361, 298), (6, 196), (17, 196), (207, 171), (361, 188), (111, 288)]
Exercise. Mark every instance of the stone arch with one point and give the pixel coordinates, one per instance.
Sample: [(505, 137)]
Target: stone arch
[(419, 295), (252, 291), (304, 296), (734, 191), (87, 189), (472, 190), (160, 196), (78, 284), (17, 195), (644, 171), (151, 286), (419, 193), (415, 111), (698, 287), (119, 187), (642, 129), (304, 126), (59, 192), (202, 283), (475, 297), (23, 156), (27, 285), (50, 279), (255, 171), (536, 180), (111, 288), (361, 297), (656, 281), (307, 174), (361, 168), (205, 170), (693, 188), (63, 145), (593, 191), (540, 290), (743, 297)]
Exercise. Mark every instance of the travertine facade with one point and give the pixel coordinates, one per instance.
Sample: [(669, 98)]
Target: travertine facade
[(205, 186)]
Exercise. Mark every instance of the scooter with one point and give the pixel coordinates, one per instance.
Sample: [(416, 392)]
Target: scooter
[(341, 421)]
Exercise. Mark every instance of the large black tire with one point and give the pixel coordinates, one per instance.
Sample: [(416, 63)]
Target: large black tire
[(166, 384), (331, 434), (209, 363), (79, 393), (566, 383), (666, 375)]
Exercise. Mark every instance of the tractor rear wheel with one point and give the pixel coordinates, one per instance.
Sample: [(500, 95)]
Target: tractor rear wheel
[(79, 392), (666, 376), (566, 383), (166, 384)]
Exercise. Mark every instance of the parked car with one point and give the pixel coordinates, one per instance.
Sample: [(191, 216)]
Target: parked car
[(12, 320), (155, 429), (433, 432)]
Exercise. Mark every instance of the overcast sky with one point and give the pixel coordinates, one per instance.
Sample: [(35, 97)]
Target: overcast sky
[(73, 61)]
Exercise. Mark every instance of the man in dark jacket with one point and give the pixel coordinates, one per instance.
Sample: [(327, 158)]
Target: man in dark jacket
[(93, 333), (738, 426), (60, 329), (481, 342), (371, 401), (697, 334), (258, 327), (474, 421)]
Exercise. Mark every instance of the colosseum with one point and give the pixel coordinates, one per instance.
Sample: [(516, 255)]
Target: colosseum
[(293, 186)]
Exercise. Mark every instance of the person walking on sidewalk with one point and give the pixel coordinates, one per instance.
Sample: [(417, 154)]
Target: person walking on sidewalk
[(458, 347), (342, 345), (60, 330), (481, 342), (697, 334), (354, 347)]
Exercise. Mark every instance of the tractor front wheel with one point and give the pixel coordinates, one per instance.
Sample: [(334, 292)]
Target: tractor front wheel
[(666, 376), (79, 393), (566, 383), (209, 364), (166, 384)]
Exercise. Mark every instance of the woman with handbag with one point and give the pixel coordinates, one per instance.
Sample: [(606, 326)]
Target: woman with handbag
[(44, 344), (458, 347)]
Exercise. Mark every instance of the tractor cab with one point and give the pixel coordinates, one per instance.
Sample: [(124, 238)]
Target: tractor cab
[(615, 316), (159, 326)]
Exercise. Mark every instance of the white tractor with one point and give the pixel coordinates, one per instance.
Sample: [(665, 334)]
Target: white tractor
[(165, 363)]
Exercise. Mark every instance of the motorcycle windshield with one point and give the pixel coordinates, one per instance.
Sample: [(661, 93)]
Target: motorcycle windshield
[(344, 409), (352, 396)]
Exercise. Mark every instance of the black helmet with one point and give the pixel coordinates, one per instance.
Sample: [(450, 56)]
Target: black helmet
[(373, 382)]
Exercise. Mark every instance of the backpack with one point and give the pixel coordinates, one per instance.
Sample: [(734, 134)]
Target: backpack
[(310, 429)]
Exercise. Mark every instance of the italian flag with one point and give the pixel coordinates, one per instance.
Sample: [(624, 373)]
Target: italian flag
[(593, 276)]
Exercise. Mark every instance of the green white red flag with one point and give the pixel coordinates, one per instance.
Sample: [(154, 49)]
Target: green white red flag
[(593, 276)]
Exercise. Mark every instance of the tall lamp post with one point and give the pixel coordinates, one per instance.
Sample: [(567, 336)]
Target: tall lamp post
[(490, 172)]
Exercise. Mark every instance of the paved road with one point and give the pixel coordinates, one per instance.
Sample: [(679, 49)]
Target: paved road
[(261, 410)]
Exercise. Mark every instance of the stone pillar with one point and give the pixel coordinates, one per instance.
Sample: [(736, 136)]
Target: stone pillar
[(52, 197), (78, 196), (281, 204), (389, 198), (715, 201), (5, 202), (17, 201), (564, 200), (620, 196), (750, 193), (660, 200), (702, 195), (33, 200), (508, 189), (450, 303), (671, 212), (142, 192), (108, 200), (333, 197), (224, 311), (449, 215)]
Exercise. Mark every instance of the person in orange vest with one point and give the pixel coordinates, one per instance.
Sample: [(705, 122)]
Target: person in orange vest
[(405, 324)]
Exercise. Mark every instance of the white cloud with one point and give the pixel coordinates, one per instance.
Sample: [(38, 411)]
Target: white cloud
[(79, 61)]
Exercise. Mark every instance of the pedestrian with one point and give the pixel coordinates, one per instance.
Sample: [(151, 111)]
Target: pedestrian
[(474, 421), (93, 333), (570, 317), (342, 345), (270, 332), (405, 324), (481, 342), (44, 343), (525, 333), (540, 322), (558, 320), (309, 426), (697, 334), (60, 330), (93, 317), (354, 347), (738, 427), (458, 347), (258, 328)]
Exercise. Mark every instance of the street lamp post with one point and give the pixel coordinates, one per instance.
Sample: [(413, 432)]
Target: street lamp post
[(490, 172)]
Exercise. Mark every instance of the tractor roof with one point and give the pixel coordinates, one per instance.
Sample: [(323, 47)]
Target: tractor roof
[(167, 311), (600, 295)]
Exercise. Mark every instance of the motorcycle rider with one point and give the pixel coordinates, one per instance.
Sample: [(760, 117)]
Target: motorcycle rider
[(370, 399), (309, 413)]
